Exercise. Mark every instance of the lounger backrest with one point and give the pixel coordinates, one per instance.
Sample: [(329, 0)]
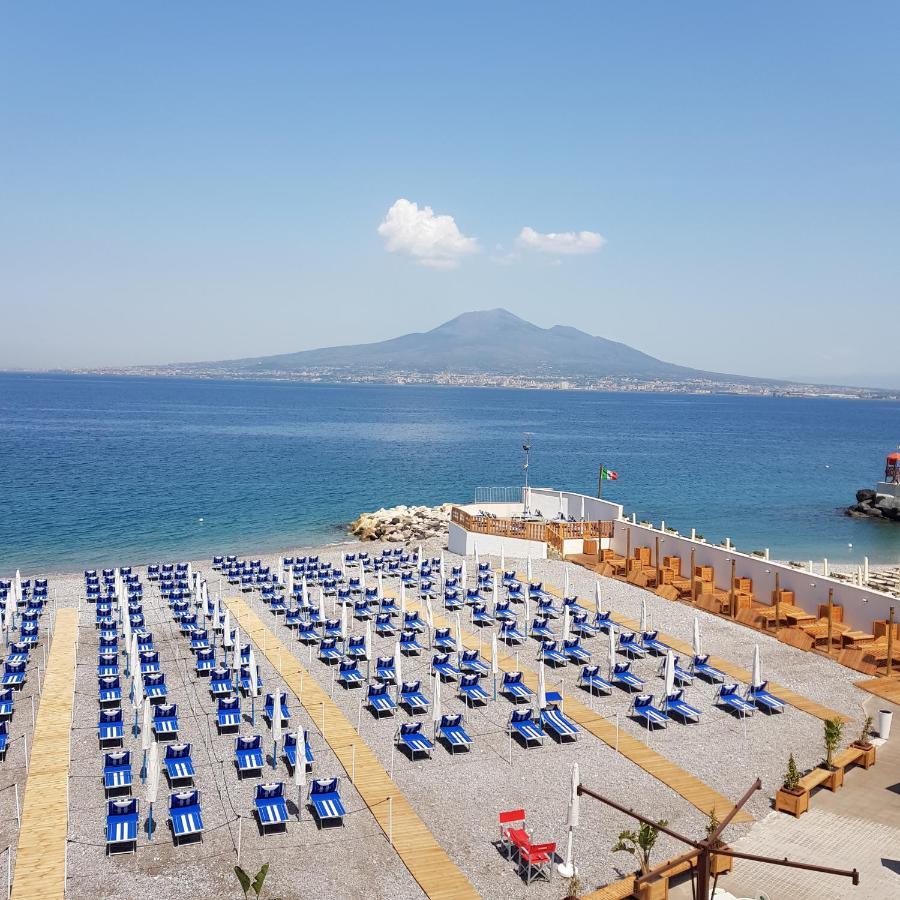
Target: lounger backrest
[(643, 700), (324, 786), (377, 688), (269, 791), (184, 798), (410, 727), (468, 680), (451, 721), (590, 671), (521, 715), (251, 742), (512, 678), (729, 688), (410, 687), (123, 807), (177, 751), (622, 667)]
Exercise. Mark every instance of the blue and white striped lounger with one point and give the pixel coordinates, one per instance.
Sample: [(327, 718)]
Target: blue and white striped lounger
[(185, 815), (683, 677), (642, 708), (514, 688), (510, 634), (228, 714), (550, 653), (13, 675), (470, 662), (6, 703), (165, 721), (700, 666), (383, 625), (441, 664), (443, 640), (548, 609), (630, 647), (573, 651), (121, 826), (763, 699), (271, 808), (453, 732), (523, 723), (651, 642), (410, 736), (179, 764), (472, 692), (591, 680), (329, 652), (155, 688), (411, 697), (349, 675), (290, 750), (109, 693), (676, 705), (220, 684), (582, 627), (409, 645), (554, 721), (248, 755), (117, 772), (502, 613), (481, 616), (379, 701), (384, 669), (111, 727), (625, 678), (729, 697), (326, 802), (540, 629), (4, 739)]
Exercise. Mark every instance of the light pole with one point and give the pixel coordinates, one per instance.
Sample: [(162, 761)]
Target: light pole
[(526, 446)]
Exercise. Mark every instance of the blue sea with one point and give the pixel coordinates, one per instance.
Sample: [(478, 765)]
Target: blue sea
[(97, 470)]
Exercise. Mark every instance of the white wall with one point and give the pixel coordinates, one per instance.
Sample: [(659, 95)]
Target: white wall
[(464, 543)]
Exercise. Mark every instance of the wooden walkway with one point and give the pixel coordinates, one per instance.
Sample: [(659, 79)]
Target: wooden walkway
[(41, 853), (792, 698), (692, 789), (429, 864), (886, 688)]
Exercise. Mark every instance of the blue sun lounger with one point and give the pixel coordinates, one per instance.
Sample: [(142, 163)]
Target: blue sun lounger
[(551, 654), (4, 739), (307, 633), (683, 677), (384, 669), (348, 675), (630, 647), (199, 639), (379, 701), (514, 688), (149, 662), (14, 675), (356, 647), (625, 678), (411, 697), (642, 708), (107, 665), (117, 772), (206, 661), (109, 693), (179, 764), (332, 628), (388, 607), (410, 736), (509, 633), (270, 806), (228, 714), (471, 692), (481, 616), (515, 592), (245, 680), (269, 708), (248, 755), (503, 613), (729, 697), (441, 664), (452, 601), (361, 610), (220, 684), (470, 662), (582, 627), (453, 733), (121, 826), (700, 666), (650, 641), (329, 652), (541, 630), (111, 727), (548, 609), (443, 640), (676, 705), (6, 703), (384, 627), (553, 720), (409, 644), (165, 721), (185, 816), (528, 729), (290, 750), (574, 652), (763, 699), (326, 802), (593, 682), (603, 621), (536, 591), (411, 620)]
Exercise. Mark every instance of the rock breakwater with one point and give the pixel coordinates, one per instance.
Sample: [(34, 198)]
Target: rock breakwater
[(402, 523), (877, 506)]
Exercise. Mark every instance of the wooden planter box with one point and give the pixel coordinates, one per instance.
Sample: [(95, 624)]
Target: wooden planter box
[(719, 865), (656, 888), (867, 760), (835, 779), (794, 803)]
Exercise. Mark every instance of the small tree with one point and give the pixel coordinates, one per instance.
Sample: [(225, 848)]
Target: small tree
[(792, 776), (863, 739), (256, 883), (712, 825), (834, 729), (640, 843)]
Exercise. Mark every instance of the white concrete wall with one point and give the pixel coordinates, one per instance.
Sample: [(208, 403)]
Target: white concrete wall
[(464, 542), (890, 490)]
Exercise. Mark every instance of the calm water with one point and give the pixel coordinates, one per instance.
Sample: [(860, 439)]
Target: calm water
[(97, 470)]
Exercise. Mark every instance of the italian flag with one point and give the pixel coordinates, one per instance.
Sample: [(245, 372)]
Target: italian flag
[(608, 475)]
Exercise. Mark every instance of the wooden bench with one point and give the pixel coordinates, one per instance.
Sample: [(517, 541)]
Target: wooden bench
[(853, 755)]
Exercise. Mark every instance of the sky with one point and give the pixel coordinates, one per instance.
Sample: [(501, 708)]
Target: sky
[(715, 184)]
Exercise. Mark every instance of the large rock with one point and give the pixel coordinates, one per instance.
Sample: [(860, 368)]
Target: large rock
[(866, 495), (401, 524)]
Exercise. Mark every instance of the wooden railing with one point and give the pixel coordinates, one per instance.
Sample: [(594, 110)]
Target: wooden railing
[(552, 533)]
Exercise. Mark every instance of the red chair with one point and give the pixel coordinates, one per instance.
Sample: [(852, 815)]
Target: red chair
[(536, 861), (512, 830)]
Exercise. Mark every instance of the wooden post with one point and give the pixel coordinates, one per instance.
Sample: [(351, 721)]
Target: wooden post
[(693, 575), (890, 642), (777, 600), (830, 617), (657, 561), (732, 600), (627, 547)]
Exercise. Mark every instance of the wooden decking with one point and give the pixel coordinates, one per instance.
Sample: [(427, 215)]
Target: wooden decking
[(617, 890), (696, 792), (41, 855), (886, 688), (429, 864), (789, 696)]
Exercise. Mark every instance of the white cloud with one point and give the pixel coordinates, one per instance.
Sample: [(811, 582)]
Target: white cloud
[(431, 240), (563, 243)]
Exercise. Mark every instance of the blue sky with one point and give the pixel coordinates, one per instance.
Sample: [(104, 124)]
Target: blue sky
[(207, 180)]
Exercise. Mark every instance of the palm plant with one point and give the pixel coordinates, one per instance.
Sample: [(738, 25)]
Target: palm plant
[(640, 843), (256, 883)]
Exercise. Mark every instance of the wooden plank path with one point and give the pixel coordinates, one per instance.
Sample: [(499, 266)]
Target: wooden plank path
[(41, 853), (692, 789), (886, 688), (792, 698), (427, 861)]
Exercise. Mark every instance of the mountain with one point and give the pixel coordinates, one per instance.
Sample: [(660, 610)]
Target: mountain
[(493, 342)]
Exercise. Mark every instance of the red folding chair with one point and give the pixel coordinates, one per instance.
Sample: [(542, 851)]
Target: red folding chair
[(512, 828), (536, 861)]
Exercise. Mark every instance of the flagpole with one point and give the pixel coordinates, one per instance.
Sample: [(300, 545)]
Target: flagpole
[(600, 482)]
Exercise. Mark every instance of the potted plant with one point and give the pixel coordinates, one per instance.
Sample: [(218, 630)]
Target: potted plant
[(864, 744), (640, 844), (790, 797), (718, 865), (834, 730)]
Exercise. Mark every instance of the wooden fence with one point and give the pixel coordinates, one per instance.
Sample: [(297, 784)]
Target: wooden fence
[(552, 533)]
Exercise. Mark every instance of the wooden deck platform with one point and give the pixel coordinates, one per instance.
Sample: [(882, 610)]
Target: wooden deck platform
[(41, 854), (427, 861), (884, 687), (692, 789), (792, 698)]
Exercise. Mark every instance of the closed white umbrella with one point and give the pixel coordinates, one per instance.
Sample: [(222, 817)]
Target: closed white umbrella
[(237, 646), (398, 663), (137, 697), (756, 677), (568, 868), (436, 703), (495, 662), (380, 587), (276, 729), (402, 599), (465, 575), (527, 611), (368, 639), (362, 577), (698, 647), (566, 623), (152, 784), (190, 573), (300, 769), (475, 549), (126, 627), (344, 622), (321, 604), (542, 688), (669, 672), (134, 658), (443, 569), (419, 557), (289, 581), (18, 587), (612, 649), (502, 558), (565, 582), (3, 629), (226, 637), (495, 595), (253, 673), (528, 574), (304, 592), (459, 642), (598, 605), (643, 615)]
